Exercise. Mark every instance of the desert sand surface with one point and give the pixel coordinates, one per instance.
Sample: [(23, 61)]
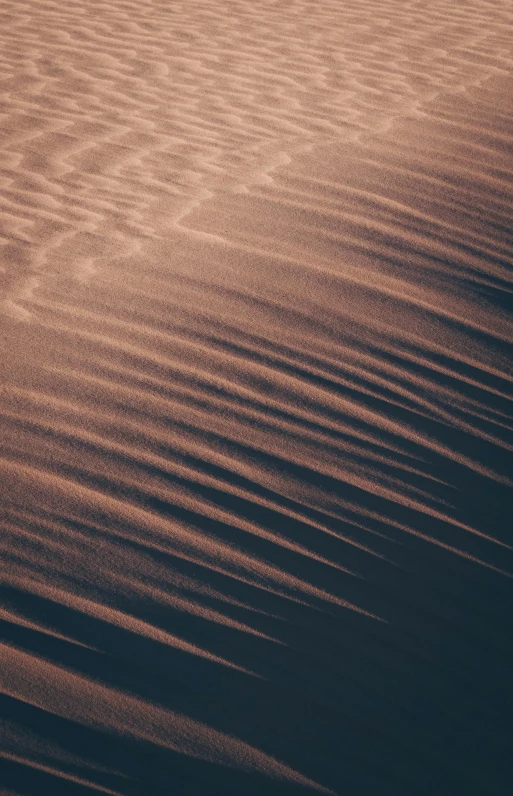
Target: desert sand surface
[(255, 402)]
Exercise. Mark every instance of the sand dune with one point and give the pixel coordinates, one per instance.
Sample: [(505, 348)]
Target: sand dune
[(256, 418)]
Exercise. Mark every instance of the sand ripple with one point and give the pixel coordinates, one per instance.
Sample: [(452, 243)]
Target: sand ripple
[(117, 117)]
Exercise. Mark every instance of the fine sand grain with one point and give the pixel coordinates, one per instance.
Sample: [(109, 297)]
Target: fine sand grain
[(256, 426)]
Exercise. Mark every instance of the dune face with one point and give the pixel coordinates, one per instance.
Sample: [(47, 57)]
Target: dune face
[(256, 420)]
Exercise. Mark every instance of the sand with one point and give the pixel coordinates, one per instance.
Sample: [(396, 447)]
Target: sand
[(256, 377)]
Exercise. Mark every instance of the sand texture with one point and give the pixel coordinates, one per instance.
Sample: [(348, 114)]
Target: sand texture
[(256, 422)]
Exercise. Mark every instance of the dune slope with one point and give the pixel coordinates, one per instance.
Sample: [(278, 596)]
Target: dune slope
[(256, 417)]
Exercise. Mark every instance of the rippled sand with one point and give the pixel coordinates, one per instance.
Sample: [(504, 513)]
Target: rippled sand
[(256, 419)]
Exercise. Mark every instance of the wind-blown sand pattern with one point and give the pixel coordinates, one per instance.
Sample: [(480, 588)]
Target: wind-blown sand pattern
[(256, 419)]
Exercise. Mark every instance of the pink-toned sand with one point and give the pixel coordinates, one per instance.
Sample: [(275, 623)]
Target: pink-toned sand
[(255, 402)]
